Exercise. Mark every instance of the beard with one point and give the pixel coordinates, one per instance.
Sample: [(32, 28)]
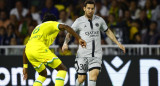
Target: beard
[(89, 15)]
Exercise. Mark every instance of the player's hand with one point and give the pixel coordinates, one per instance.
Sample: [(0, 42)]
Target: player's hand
[(82, 43), (122, 48), (25, 74), (64, 47)]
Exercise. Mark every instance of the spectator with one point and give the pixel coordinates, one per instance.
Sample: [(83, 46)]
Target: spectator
[(75, 16), (143, 21), (127, 20), (137, 38), (9, 34), (19, 11), (30, 29), (135, 22), (154, 3), (149, 9), (114, 9), (151, 32), (133, 30), (116, 29), (70, 10), (3, 6), (156, 15), (23, 27), (49, 8), (35, 14), (64, 18), (125, 25), (112, 21), (2, 34), (155, 39), (156, 8), (141, 3), (101, 9), (123, 4), (4, 21), (14, 21), (134, 10)]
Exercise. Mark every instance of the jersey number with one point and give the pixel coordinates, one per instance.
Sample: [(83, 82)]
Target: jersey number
[(83, 67), (36, 30)]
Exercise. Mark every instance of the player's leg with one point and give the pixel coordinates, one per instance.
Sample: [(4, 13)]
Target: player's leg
[(81, 66), (80, 80), (42, 75), (62, 70), (94, 69), (93, 74), (57, 64), (39, 66)]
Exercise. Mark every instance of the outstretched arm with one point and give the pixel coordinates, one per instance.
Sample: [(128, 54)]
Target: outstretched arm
[(25, 65), (67, 39), (70, 30), (113, 38)]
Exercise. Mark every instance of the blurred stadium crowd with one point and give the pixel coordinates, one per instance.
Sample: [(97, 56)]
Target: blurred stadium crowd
[(132, 21)]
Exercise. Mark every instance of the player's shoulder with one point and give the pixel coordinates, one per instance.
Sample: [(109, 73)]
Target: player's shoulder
[(97, 17), (81, 18)]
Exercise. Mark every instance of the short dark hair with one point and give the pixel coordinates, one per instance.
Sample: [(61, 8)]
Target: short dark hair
[(89, 2), (154, 22), (49, 17), (64, 11)]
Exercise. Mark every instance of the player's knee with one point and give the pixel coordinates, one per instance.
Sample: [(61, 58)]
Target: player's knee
[(93, 76), (81, 78), (61, 67)]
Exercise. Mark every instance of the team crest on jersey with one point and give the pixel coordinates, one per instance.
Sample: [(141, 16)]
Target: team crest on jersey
[(97, 24)]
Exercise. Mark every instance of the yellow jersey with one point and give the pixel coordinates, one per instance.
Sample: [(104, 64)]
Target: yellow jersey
[(44, 34)]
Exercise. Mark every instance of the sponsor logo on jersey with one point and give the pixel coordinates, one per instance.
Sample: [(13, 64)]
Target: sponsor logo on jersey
[(92, 33)]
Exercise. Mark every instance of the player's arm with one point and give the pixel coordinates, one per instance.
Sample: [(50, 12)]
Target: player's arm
[(25, 65), (71, 31), (25, 60), (66, 41), (113, 38)]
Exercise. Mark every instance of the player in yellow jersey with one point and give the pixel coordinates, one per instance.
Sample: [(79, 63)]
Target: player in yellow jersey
[(38, 53)]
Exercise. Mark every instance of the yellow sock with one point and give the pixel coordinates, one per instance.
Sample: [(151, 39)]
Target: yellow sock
[(39, 81), (60, 78)]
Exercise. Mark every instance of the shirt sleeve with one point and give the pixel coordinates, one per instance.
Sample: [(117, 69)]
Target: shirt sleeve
[(56, 25), (75, 25), (104, 26)]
